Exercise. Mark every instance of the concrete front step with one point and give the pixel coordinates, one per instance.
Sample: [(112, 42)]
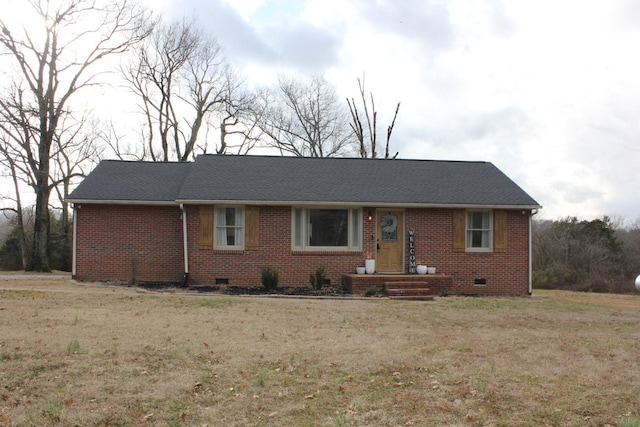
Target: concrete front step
[(406, 285), (413, 297), (408, 290), (359, 284)]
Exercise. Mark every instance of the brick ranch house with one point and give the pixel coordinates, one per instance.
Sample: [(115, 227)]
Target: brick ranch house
[(221, 219)]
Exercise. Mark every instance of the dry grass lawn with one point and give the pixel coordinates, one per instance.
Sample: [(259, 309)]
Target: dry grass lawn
[(92, 354)]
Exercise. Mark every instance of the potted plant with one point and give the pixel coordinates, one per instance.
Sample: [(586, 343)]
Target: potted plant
[(370, 266)]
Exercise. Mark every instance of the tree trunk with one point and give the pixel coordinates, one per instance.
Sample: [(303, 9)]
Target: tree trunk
[(22, 239), (24, 251), (40, 251)]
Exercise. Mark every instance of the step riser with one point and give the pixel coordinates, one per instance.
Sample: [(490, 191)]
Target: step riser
[(418, 291), (413, 298), (407, 287), (407, 293)]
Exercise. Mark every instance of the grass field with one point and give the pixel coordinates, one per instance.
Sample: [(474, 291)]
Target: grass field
[(89, 354)]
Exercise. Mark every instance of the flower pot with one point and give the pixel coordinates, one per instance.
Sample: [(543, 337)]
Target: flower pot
[(370, 266), (359, 270), (431, 270), (421, 269)]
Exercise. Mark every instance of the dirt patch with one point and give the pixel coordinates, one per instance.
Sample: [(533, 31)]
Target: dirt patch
[(99, 354)]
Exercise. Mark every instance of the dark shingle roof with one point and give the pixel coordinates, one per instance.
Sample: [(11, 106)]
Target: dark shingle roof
[(116, 180), (266, 179), (347, 180)]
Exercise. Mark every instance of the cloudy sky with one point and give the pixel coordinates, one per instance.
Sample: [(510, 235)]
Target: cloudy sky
[(548, 91)]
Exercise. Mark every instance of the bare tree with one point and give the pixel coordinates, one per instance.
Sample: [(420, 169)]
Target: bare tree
[(16, 227), (9, 162), (371, 117), (306, 120), (569, 253), (55, 59), (74, 154), (111, 136), (239, 122), (183, 83)]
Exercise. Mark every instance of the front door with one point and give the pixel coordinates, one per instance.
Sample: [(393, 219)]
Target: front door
[(390, 239)]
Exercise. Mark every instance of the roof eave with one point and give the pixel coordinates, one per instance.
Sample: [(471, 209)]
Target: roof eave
[(359, 203), (122, 202)]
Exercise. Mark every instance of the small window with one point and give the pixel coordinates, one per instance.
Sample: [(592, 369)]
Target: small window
[(229, 227), (322, 228), (479, 230)]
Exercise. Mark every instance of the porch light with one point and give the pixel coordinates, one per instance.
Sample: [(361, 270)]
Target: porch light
[(369, 216)]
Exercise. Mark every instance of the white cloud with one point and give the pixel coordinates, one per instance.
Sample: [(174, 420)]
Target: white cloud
[(547, 91)]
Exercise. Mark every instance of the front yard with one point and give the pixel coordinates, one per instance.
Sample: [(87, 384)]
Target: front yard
[(90, 354)]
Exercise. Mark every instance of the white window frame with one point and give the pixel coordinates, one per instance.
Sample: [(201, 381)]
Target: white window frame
[(469, 231), (220, 229), (300, 229)]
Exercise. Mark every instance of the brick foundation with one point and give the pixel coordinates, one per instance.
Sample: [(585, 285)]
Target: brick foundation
[(144, 243)]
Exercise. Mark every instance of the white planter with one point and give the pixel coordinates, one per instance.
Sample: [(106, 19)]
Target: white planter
[(431, 270), (359, 270), (421, 269), (370, 266)]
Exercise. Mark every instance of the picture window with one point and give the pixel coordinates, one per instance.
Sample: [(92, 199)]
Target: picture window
[(327, 228)]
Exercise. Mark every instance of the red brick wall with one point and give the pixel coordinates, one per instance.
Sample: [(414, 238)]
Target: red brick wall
[(113, 241), (243, 268), (506, 273), (125, 243)]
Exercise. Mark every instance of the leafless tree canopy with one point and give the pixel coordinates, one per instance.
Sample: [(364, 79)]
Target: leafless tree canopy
[(52, 60), (191, 99), (306, 120), (367, 136), (184, 83)]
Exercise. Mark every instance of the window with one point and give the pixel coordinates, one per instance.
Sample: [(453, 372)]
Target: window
[(479, 230), (229, 227), (326, 228)]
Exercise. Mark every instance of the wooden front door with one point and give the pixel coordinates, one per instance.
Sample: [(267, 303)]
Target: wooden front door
[(390, 240)]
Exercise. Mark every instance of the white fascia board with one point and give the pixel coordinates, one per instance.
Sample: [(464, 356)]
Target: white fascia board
[(334, 203), (122, 202), (296, 203)]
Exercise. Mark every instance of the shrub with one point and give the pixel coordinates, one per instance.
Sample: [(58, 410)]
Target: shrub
[(554, 277), (317, 280), (270, 278), (371, 291), (593, 285)]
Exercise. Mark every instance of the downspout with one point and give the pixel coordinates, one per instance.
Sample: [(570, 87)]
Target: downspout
[(185, 247), (74, 241), (531, 215)]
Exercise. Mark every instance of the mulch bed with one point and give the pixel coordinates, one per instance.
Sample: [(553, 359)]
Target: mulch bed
[(242, 290)]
